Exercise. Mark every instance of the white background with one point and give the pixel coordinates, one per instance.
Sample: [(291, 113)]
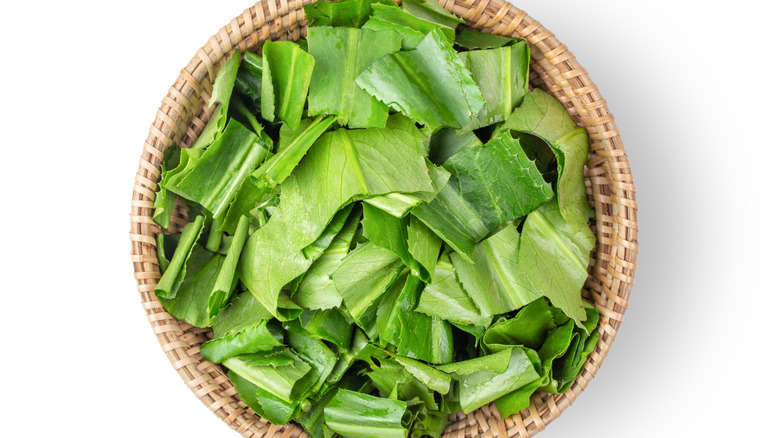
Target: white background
[(693, 85)]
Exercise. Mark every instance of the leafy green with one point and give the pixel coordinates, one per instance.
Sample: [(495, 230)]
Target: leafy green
[(528, 328), (261, 337), (220, 95), (243, 313), (342, 13), (482, 387), (488, 186), (286, 75), (430, 84), (411, 28), (431, 11), (226, 281), (163, 202), (446, 299), (219, 172), (340, 54), (447, 142), (191, 300), (176, 272), (502, 77), (249, 79), (471, 39), (355, 415), (276, 371), (542, 115)]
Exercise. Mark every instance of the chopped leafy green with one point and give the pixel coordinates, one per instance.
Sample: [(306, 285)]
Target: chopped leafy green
[(430, 84), (333, 87), (355, 415), (372, 277), (286, 75)]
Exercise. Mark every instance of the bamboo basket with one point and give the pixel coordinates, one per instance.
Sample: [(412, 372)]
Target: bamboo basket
[(184, 112)]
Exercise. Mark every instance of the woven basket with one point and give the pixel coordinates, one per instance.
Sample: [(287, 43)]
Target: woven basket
[(184, 113)]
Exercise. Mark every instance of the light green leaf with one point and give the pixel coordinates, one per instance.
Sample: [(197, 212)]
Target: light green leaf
[(411, 28), (249, 80), (481, 388), (554, 259), (276, 372), (496, 363), (272, 408), (261, 337), (226, 281), (434, 379), (355, 415), (243, 313), (492, 277), (424, 245), (445, 298), (502, 77), (342, 13), (176, 272), (431, 11), (286, 75), (217, 175), (191, 299), (342, 166), (542, 115), (341, 53), (220, 95), (429, 84)]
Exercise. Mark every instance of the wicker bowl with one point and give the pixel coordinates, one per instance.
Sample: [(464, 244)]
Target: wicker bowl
[(184, 113)]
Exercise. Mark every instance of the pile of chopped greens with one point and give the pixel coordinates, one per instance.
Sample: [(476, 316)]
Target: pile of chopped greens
[(386, 225)]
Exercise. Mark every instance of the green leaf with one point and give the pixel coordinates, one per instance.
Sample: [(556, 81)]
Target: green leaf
[(492, 277), (316, 289), (286, 75), (220, 95), (446, 299), (163, 202), (174, 275), (542, 115), (415, 335), (364, 275), (341, 167), (355, 415), (488, 186), (273, 409), (447, 142), (217, 175), (424, 246), (554, 259), (341, 54), (434, 379), (528, 328), (481, 388), (496, 363), (226, 281), (393, 381), (280, 166), (392, 233), (249, 80), (329, 325), (191, 299), (430, 84), (411, 28), (431, 11), (567, 368), (471, 39), (261, 337), (502, 77), (316, 354), (243, 313), (343, 13), (276, 372)]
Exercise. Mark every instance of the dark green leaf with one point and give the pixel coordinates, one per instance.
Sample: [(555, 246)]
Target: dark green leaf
[(471, 39), (431, 11), (411, 28), (249, 80), (329, 325), (226, 281), (447, 142), (528, 328), (243, 313)]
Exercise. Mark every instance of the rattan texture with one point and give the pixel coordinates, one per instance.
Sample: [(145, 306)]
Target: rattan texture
[(184, 112)]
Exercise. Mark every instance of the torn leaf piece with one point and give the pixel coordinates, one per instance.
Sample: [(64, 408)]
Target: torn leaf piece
[(177, 268), (342, 13), (219, 172), (220, 95), (482, 387), (286, 75), (445, 298), (430, 84), (502, 77), (488, 186), (355, 415), (340, 54), (262, 337), (471, 39), (411, 28), (542, 115)]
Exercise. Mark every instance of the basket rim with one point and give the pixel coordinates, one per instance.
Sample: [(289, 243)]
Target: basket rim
[(184, 112)]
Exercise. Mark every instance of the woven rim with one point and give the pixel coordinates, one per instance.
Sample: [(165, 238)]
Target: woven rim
[(184, 113)]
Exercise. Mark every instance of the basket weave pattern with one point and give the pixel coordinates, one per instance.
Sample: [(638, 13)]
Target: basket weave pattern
[(184, 113)]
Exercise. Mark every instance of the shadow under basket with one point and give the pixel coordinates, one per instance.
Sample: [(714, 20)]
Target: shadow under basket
[(184, 112)]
